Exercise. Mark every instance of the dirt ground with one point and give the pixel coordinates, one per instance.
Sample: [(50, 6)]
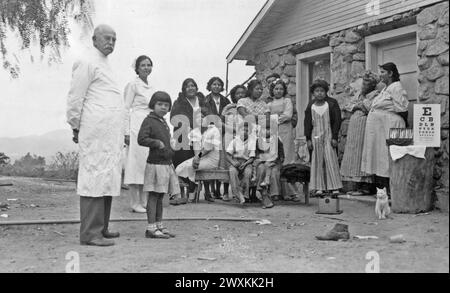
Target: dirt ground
[(287, 245)]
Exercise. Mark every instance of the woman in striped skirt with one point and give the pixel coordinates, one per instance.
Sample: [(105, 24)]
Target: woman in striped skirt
[(359, 106), (322, 124)]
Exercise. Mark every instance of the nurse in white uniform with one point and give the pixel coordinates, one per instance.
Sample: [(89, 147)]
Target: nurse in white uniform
[(137, 97)]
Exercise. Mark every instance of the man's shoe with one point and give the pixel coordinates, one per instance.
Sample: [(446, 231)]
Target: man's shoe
[(99, 242), (156, 234), (109, 235), (334, 236), (339, 232)]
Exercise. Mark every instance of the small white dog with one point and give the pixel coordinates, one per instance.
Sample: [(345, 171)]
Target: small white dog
[(382, 209)]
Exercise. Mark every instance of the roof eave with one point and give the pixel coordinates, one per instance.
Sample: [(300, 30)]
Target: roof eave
[(256, 21)]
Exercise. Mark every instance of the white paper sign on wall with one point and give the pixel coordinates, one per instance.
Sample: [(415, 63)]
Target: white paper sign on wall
[(427, 125)]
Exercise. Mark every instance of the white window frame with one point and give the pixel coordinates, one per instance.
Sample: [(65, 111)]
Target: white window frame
[(373, 41), (302, 98)]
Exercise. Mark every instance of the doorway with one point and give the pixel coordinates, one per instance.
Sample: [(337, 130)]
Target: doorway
[(400, 47), (311, 65)]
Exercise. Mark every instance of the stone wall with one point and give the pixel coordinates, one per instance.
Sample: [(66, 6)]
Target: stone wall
[(433, 51), (348, 62), (280, 61)]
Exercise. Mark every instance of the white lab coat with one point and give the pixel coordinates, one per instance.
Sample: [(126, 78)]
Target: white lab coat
[(95, 106)]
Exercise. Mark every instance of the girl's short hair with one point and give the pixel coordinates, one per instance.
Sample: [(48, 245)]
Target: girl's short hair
[(212, 80), (139, 60), (234, 90), (320, 83), (185, 84), (274, 84), (160, 97), (251, 86)]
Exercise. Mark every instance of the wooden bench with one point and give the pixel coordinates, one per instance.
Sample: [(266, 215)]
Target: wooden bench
[(209, 175)]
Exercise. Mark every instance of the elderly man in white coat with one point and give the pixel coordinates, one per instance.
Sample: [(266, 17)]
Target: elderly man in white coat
[(95, 111)]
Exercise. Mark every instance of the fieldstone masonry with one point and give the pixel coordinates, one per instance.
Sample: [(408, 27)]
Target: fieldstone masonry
[(348, 62), (433, 50)]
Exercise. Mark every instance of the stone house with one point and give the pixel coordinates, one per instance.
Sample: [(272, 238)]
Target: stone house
[(336, 40)]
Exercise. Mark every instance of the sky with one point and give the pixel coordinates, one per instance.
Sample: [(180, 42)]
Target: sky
[(184, 38)]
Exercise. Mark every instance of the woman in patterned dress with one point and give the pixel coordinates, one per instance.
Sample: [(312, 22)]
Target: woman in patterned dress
[(359, 106)]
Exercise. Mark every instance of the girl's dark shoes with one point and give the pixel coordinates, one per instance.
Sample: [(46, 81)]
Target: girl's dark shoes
[(156, 234), (167, 232)]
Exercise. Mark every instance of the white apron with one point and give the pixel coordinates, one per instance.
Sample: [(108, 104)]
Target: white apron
[(137, 98), (96, 99)]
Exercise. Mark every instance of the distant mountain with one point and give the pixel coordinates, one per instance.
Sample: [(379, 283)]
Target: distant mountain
[(46, 145)]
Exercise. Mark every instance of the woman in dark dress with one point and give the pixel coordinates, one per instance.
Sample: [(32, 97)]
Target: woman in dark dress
[(189, 101)]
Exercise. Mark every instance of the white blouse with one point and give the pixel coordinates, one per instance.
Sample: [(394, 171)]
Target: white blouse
[(392, 98)]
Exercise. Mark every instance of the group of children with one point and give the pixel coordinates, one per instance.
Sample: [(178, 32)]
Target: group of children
[(254, 155)]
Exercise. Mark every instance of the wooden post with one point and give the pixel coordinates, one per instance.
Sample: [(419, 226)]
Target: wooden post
[(411, 183)]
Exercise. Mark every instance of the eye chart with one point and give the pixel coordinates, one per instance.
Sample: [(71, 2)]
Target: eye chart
[(427, 125)]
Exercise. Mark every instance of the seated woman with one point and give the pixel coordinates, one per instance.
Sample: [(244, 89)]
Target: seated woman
[(269, 157), (207, 145), (189, 101), (240, 155)]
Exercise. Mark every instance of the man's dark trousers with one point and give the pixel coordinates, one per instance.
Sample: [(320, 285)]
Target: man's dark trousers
[(94, 217)]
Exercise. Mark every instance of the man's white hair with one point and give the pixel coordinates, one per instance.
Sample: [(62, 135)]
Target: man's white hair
[(101, 28)]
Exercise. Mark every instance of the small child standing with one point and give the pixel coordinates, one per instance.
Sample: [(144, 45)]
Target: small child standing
[(160, 177), (322, 124)]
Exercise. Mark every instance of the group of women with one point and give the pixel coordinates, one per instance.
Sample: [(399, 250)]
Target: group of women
[(365, 160), (380, 104)]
